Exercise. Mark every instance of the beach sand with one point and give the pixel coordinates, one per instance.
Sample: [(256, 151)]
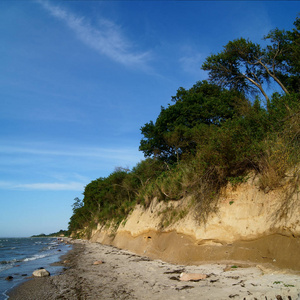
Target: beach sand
[(125, 275)]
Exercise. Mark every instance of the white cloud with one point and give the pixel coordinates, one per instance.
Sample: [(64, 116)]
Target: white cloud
[(107, 39), (6, 185), (71, 186), (255, 23), (55, 167), (191, 62), (122, 154), (53, 186)]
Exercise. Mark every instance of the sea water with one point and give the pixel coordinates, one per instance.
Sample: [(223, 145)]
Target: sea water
[(19, 257)]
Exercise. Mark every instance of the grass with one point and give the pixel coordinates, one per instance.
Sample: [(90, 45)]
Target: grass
[(284, 284), (170, 215), (235, 181)]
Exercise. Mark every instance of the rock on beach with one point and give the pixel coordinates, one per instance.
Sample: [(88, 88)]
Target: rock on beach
[(9, 278), (41, 273), (191, 276)]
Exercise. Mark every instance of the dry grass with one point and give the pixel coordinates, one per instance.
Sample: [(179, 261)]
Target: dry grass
[(274, 165), (171, 214), (290, 195)]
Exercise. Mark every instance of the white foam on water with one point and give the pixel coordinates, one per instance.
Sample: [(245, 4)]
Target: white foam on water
[(35, 257)]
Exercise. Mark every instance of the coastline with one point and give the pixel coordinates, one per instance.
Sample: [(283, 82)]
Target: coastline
[(21, 256), (125, 275), (46, 287)]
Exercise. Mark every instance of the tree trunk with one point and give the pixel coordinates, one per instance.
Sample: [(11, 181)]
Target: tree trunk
[(260, 88)]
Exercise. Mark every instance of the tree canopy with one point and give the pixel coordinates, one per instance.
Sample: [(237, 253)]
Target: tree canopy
[(246, 66), (203, 104)]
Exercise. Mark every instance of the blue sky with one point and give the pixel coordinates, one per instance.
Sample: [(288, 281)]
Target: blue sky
[(78, 79)]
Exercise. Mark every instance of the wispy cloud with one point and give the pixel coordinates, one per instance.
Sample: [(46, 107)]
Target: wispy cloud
[(53, 186), (255, 23), (107, 39), (31, 166), (191, 62), (129, 154)]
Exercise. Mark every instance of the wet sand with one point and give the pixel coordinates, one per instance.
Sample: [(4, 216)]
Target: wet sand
[(125, 275)]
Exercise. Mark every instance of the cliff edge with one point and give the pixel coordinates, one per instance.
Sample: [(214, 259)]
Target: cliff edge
[(248, 226)]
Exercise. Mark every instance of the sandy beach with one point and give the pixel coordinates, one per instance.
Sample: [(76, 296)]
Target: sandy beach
[(122, 274)]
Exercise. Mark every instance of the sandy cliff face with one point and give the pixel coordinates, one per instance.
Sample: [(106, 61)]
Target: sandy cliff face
[(249, 225)]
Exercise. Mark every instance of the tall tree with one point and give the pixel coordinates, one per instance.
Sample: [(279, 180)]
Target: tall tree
[(239, 66), (246, 66)]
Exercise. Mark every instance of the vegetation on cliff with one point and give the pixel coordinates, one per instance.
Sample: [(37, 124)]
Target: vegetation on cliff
[(213, 133), (54, 234)]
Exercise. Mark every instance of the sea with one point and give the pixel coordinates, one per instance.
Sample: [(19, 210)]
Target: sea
[(19, 257)]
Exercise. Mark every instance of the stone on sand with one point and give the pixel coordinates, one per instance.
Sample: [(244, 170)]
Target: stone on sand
[(41, 273), (191, 276)]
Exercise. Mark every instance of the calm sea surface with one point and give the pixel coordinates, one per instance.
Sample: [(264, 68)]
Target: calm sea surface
[(19, 257)]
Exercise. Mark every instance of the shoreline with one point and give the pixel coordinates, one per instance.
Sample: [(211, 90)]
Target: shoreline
[(121, 274), (21, 256), (46, 287)]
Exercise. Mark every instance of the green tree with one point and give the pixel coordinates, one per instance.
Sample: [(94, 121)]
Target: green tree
[(77, 204), (145, 171), (285, 46), (170, 137), (246, 66), (80, 217)]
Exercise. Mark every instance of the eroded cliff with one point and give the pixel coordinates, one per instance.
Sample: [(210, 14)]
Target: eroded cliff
[(249, 226)]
